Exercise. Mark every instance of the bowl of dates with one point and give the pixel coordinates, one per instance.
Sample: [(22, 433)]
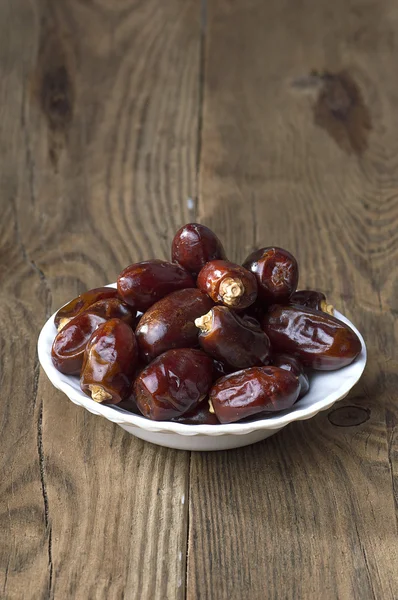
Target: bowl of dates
[(200, 353)]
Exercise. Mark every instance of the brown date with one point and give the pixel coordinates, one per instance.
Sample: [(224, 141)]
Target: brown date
[(317, 339), (113, 308), (68, 348), (109, 362), (312, 299), (200, 415), (82, 303), (173, 384), (276, 271), (289, 363), (170, 323), (228, 283), (142, 284), (194, 245), (237, 342), (252, 391)]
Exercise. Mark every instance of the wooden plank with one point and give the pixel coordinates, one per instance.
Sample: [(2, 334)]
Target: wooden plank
[(99, 121), (299, 150)]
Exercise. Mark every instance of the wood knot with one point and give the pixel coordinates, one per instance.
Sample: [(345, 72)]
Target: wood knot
[(349, 416), (53, 84), (56, 97), (340, 110), (339, 94)]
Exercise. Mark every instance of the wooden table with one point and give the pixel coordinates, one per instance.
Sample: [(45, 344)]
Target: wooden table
[(274, 122)]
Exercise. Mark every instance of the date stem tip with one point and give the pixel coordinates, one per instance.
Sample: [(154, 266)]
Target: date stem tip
[(98, 393), (327, 308), (231, 290), (204, 323)]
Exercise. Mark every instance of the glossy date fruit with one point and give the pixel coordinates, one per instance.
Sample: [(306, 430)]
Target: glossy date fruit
[(200, 415), (238, 343), (173, 384), (170, 323), (82, 303), (142, 284), (228, 283), (70, 343), (114, 308), (253, 391), (194, 245), (292, 364), (317, 339), (109, 363), (276, 271), (312, 299)]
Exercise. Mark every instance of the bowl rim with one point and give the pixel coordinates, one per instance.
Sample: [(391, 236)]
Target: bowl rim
[(131, 420)]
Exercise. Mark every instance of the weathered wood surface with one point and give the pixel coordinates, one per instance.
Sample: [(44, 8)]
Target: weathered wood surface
[(97, 163), (278, 121)]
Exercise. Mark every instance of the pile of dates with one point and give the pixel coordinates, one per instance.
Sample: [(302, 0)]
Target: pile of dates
[(201, 339)]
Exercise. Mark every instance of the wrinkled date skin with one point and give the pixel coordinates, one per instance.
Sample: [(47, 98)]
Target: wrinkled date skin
[(82, 303), (170, 323), (194, 245), (201, 415), (173, 384), (276, 271), (238, 343), (252, 391), (114, 308), (109, 362), (289, 363), (317, 339), (312, 299), (70, 343), (142, 284), (228, 284)]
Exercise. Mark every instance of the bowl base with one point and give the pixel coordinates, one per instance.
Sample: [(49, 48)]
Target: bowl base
[(200, 442)]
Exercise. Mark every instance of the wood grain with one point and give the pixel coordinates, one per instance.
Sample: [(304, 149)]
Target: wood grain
[(107, 111), (299, 150), (98, 141)]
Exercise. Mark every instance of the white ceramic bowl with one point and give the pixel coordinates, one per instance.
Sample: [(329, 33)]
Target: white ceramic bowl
[(326, 388)]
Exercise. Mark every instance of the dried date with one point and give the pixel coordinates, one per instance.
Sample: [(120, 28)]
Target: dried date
[(253, 391), (276, 271), (173, 384), (194, 245), (68, 348), (109, 363), (312, 299), (318, 340), (228, 284), (170, 323), (142, 284), (82, 303), (237, 342)]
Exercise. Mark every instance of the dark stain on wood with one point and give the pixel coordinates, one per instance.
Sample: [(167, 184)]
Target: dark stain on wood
[(54, 88), (349, 416), (340, 110), (56, 97)]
